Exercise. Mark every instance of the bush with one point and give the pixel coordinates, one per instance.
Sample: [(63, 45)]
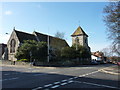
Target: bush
[(31, 50), (68, 53), (24, 60)]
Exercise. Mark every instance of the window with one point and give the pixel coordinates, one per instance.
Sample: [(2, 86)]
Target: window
[(12, 46), (86, 40), (77, 40)]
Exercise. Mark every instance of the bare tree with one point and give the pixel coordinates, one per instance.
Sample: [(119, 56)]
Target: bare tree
[(60, 35), (112, 21), (108, 52)]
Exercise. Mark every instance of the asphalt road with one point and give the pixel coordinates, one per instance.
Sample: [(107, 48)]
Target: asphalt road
[(61, 77)]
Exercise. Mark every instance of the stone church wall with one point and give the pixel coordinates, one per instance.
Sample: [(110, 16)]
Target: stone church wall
[(11, 55), (80, 40)]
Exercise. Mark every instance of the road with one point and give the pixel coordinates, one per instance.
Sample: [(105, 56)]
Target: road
[(34, 78)]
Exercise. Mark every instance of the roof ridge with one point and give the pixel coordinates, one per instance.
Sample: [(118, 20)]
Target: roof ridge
[(23, 32), (49, 35)]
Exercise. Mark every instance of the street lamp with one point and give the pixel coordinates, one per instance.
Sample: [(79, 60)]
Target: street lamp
[(30, 57), (48, 49)]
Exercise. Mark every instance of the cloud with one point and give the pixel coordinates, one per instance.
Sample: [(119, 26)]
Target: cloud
[(8, 12)]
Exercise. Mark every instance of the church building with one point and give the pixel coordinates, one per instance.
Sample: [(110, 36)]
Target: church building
[(79, 37), (17, 37)]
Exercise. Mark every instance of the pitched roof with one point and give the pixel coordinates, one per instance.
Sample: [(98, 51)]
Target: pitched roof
[(57, 42), (40, 36), (98, 54), (24, 36), (79, 31), (54, 41)]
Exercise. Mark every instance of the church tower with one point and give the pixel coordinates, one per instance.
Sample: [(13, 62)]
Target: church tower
[(79, 37)]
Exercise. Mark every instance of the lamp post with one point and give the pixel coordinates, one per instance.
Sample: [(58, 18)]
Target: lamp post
[(30, 57), (48, 48), (77, 41)]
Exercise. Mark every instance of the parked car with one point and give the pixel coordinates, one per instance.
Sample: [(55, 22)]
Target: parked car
[(103, 62), (94, 62), (118, 63), (109, 61)]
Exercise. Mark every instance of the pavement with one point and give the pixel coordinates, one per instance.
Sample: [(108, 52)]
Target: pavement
[(36, 78), (112, 70)]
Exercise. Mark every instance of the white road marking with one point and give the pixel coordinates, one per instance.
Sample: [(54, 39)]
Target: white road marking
[(63, 80), (48, 85), (56, 82), (82, 75), (97, 84), (70, 78), (9, 79), (55, 86), (75, 77), (6, 74), (63, 83), (103, 70), (88, 74), (37, 88), (70, 81), (39, 74)]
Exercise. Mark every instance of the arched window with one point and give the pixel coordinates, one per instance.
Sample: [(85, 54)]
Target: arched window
[(12, 46)]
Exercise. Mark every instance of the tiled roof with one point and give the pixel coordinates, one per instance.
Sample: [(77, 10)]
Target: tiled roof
[(98, 54), (40, 36), (24, 36), (57, 42), (79, 31), (54, 41)]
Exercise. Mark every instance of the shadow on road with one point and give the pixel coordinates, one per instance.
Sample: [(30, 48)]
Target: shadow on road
[(29, 80), (75, 66)]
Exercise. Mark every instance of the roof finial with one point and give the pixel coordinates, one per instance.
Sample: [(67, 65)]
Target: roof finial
[(34, 30), (79, 22), (14, 28)]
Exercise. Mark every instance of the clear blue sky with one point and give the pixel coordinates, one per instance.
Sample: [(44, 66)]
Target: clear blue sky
[(50, 17)]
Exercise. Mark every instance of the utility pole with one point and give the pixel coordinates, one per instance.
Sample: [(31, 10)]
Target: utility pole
[(48, 47), (76, 43), (30, 57)]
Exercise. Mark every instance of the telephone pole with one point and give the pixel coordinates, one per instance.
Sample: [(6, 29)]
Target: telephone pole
[(48, 47)]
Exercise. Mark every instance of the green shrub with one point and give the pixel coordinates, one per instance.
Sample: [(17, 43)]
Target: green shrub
[(24, 60)]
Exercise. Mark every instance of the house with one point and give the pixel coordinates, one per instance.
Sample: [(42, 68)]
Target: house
[(97, 56), (3, 49)]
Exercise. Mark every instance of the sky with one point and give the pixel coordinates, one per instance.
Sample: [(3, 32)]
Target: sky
[(50, 17)]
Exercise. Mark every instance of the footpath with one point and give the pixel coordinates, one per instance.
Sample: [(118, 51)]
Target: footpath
[(115, 70)]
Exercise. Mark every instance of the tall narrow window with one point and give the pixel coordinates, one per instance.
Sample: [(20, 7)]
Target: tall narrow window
[(12, 46), (77, 40)]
